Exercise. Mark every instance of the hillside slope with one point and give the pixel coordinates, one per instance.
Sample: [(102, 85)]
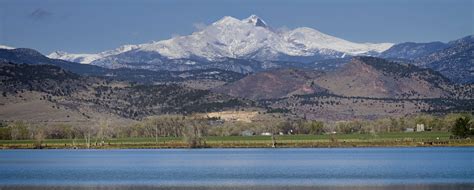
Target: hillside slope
[(361, 77), (89, 98), (379, 78), (273, 84)]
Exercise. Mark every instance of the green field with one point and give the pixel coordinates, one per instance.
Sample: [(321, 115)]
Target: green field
[(337, 140)]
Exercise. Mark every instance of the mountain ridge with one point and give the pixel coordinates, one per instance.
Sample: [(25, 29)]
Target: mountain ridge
[(33, 57), (453, 59), (233, 38)]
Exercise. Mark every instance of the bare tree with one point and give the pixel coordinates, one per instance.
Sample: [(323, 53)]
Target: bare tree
[(272, 128), (19, 130), (164, 125), (87, 132), (103, 131), (38, 133), (194, 133)]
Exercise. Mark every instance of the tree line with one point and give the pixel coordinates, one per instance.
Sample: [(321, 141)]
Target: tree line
[(194, 128)]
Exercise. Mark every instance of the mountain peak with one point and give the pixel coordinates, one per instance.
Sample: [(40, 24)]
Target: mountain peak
[(227, 20), (256, 21)]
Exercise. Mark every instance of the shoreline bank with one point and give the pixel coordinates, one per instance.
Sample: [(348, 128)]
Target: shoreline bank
[(247, 144)]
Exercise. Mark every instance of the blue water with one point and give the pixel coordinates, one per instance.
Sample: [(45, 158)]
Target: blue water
[(310, 167)]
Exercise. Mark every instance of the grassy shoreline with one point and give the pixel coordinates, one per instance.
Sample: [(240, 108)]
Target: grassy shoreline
[(394, 139)]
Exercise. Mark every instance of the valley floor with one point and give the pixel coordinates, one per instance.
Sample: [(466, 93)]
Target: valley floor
[(393, 139)]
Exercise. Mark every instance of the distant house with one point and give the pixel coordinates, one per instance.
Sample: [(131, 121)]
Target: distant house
[(420, 127), (409, 130), (266, 134), (247, 133)]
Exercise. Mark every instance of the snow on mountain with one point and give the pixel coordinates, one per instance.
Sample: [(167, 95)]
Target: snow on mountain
[(78, 58), (6, 47), (310, 39), (253, 38), (249, 38), (88, 58), (228, 37)]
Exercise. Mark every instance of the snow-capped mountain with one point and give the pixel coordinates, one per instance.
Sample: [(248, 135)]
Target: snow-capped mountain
[(6, 47), (312, 40), (88, 58), (78, 58), (256, 21), (226, 38), (249, 38)]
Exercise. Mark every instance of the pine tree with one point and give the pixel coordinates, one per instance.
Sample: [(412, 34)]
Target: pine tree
[(461, 127)]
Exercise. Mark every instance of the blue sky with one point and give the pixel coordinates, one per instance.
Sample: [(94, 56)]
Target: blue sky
[(89, 26)]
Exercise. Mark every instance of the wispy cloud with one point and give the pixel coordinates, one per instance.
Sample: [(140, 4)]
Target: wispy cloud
[(39, 14)]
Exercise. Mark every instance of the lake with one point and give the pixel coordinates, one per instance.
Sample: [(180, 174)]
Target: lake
[(331, 168)]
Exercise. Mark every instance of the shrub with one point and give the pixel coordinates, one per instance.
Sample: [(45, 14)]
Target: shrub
[(461, 128)]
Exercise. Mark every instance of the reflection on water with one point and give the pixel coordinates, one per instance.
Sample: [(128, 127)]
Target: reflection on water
[(363, 168)]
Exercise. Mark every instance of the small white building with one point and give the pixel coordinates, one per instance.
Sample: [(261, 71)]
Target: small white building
[(266, 134), (420, 127), (247, 133), (409, 130)]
